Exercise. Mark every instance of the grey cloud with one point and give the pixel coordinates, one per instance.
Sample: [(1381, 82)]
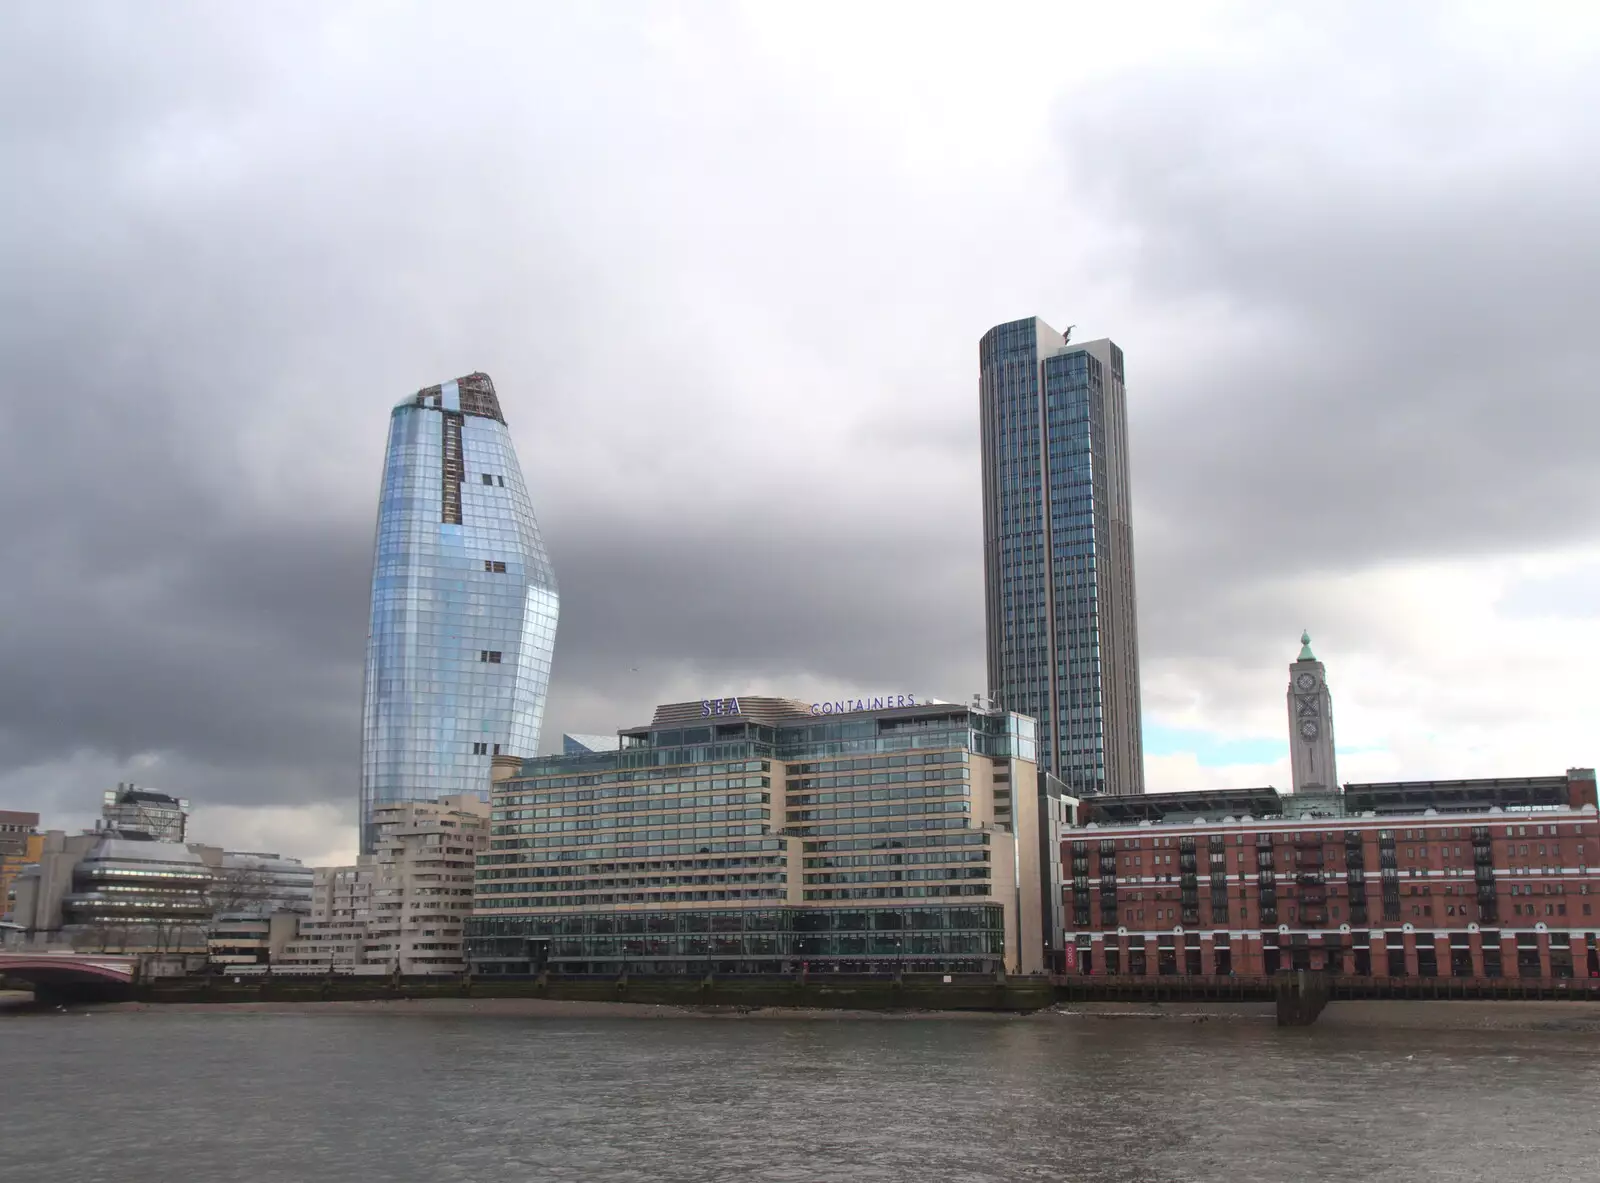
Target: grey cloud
[(736, 338), (861, 606), (1400, 261), (224, 655)]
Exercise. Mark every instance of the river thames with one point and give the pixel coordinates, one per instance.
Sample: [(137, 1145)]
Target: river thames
[(395, 1098)]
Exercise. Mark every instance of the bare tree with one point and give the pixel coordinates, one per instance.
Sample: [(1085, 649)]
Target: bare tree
[(95, 939), (166, 936), (239, 890)]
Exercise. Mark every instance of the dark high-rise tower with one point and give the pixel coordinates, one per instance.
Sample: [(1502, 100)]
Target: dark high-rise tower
[(1062, 626), (463, 604)]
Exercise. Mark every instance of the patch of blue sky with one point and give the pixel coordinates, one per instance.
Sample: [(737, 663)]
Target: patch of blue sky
[(1568, 595), (1216, 751), (1210, 748)]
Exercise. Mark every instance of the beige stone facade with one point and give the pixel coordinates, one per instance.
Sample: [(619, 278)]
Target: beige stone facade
[(403, 907), (333, 939)]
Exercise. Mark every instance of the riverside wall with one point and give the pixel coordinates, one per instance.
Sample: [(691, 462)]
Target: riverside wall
[(1298, 998), (1016, 995)]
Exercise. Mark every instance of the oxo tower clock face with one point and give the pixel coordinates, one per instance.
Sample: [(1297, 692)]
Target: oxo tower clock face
[(1307, 682), (1308, 730)]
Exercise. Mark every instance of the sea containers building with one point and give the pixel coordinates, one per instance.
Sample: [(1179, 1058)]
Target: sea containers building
[(464, 605), (770, 835)]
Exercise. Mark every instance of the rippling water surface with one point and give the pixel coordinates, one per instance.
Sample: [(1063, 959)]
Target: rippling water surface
[(301, 1098)]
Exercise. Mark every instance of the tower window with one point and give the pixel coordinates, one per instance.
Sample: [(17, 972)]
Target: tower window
[(492, 478), (494, 565), (482, 749), (489, 655)]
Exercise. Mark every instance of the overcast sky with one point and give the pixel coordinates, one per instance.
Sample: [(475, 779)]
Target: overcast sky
[(728, 266)]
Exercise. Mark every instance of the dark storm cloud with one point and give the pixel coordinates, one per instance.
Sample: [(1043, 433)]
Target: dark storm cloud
[(859, 608), (734, 328), (168, 656), (228, 263)]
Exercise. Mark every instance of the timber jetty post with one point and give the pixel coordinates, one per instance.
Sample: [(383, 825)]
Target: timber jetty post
[(1300, 997)]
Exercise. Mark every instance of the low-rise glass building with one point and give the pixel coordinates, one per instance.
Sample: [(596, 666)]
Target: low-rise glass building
[(127, 882), (769, 835)]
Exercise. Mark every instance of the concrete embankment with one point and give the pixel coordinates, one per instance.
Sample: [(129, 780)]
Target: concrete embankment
[(1579, 1018), (1017, 996), (548, 1008)]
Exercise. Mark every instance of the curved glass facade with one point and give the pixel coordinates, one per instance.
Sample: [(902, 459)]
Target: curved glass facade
[(464, 604)]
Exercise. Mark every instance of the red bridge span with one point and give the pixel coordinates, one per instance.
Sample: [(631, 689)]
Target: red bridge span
[(72, 976)]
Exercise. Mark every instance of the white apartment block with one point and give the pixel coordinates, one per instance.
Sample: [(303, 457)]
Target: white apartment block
[(404, 906), (333, 939)]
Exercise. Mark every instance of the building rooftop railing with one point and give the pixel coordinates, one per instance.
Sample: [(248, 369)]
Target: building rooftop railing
[(1267, 804)]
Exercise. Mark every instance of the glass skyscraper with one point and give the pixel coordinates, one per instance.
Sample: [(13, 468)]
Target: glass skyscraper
[(1062, 627), (464, 604)]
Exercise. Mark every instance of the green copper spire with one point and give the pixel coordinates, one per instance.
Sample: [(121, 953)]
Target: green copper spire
[(1305, 648)]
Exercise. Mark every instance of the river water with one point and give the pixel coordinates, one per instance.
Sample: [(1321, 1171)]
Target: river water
[(380, 1097)]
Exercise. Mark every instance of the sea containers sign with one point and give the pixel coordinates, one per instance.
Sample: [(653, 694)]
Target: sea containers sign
[(884, 702), (710, 707)]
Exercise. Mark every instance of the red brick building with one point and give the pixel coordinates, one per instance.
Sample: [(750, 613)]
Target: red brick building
[(1479, 879)]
